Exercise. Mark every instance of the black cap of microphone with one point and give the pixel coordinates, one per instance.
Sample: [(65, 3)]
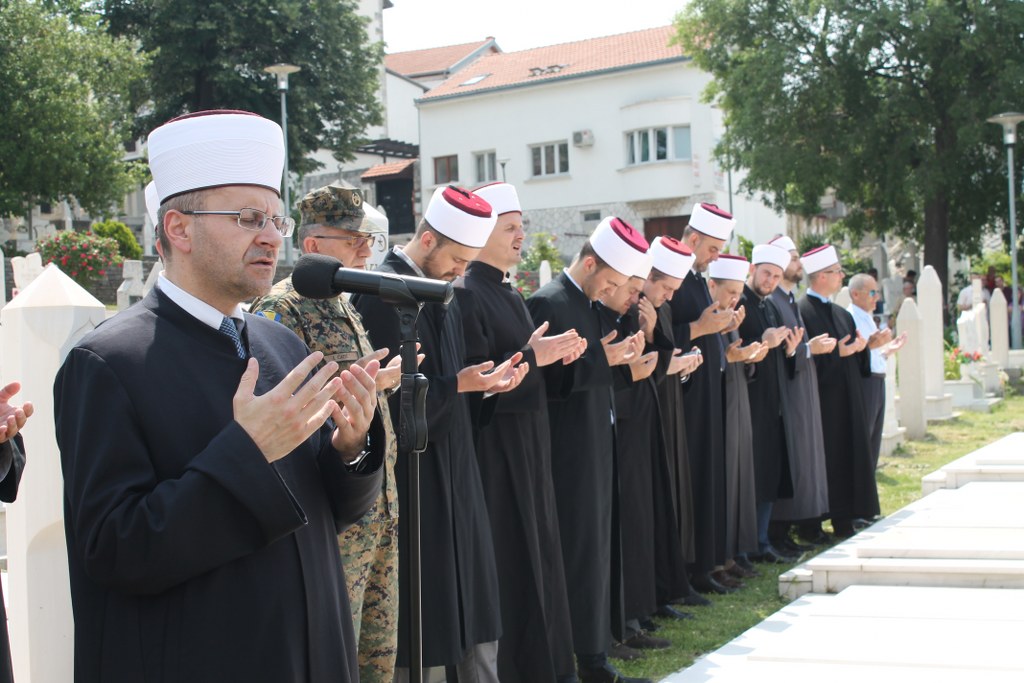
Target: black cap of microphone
[(317, 276)]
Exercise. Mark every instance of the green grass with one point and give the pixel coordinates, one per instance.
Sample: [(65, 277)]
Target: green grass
[(899, 483)]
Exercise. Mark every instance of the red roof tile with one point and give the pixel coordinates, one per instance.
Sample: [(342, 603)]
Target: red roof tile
[(394, 169), (510, 69), (432, 60)]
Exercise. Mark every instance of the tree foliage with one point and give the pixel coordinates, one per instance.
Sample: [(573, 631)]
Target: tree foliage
[(66, 108), (883, 101), (211, 55)]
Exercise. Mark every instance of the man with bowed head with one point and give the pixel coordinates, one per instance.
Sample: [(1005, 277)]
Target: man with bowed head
[(700, 321), (461, 611), (581, 415), (513, 445), (852, 492), (207, 467)]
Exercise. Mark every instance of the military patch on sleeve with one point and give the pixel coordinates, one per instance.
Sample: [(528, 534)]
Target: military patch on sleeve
[(271, 315)]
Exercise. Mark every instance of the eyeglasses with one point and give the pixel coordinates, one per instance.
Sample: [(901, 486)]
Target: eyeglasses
[(873, 292), (253, 220), (357, 242)]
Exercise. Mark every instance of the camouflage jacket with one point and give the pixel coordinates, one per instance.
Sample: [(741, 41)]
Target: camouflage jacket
[(334, 327)]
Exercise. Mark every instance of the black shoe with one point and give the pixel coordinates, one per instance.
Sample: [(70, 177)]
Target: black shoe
[(744, 563), (694, 599), (737, 571), (670, 612), (624, 652), (607, 674), (723, 577), (859, 523), (818, 540), (645, 641), (789, 546), (649, 625), (773, 556), (704, 583)]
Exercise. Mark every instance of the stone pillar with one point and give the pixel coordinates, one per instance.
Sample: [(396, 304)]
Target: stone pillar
[(892, 432), (544, 275), (3, 280), (938, 404), (842, 299), (999, 324), (910, 361), (130, 290), (154, 274), (38, 328)]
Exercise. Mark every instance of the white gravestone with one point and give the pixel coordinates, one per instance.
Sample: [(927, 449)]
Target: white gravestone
[(1000, 329), (938, 404), (37, 329), (911, 371), (154, 275), (3, 279), (843, 299), (967, 332), (26, 269), (892, 432), (130, 290), (544, 275)]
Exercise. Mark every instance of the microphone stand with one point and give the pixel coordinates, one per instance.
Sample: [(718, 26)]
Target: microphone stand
[(412, 440)]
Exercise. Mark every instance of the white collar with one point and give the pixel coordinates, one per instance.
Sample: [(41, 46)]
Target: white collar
[(405, 257), (197, 308)]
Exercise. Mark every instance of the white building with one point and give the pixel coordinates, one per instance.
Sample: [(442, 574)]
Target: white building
[(606, 126)]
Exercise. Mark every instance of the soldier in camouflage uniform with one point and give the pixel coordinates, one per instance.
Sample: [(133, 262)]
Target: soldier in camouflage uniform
[(333, 223)]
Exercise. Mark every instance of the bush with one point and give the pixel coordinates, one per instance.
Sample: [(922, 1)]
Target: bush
[(542, 248), (83, 256), (127, 245)]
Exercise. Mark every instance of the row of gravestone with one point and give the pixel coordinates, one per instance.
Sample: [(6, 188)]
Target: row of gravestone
[(23, 269)]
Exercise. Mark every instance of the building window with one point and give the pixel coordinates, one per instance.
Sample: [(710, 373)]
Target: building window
[(591, 216), (657, 144), (486, 167), (550, 159), (446, 169)]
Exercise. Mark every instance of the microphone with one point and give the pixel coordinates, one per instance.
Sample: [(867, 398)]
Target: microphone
[(317, 276)]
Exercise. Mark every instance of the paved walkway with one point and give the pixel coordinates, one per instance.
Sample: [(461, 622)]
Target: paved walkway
[(931, 593)]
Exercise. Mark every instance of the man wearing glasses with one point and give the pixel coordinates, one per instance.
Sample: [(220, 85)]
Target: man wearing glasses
[(865, 293), (334, 223), (852, 492), (207, 463)]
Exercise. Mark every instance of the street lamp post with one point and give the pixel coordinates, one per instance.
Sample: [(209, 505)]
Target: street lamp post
[(282, 72), (1009, 121)]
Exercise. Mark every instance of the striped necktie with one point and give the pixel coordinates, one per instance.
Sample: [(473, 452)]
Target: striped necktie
[(229, 327)]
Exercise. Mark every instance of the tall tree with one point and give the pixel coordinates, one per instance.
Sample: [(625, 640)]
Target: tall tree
[(65, 105), (210, 55), (884, 101)]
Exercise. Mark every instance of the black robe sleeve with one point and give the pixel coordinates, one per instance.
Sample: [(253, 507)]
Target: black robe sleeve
[(12, 466)]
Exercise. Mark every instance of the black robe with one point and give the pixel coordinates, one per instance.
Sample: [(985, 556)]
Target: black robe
[(767, 407), (639, 448), (852, 491), (513, 446), (191, 558), (673, 544), (803, 426), (580, 406), (740, 495), (458, 574), (705, 425), (12, 465)]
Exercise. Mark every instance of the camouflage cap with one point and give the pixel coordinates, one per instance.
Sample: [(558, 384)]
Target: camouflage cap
[(334, 206)]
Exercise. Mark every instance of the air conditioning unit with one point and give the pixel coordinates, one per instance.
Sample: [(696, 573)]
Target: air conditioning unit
[(583, 138)]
